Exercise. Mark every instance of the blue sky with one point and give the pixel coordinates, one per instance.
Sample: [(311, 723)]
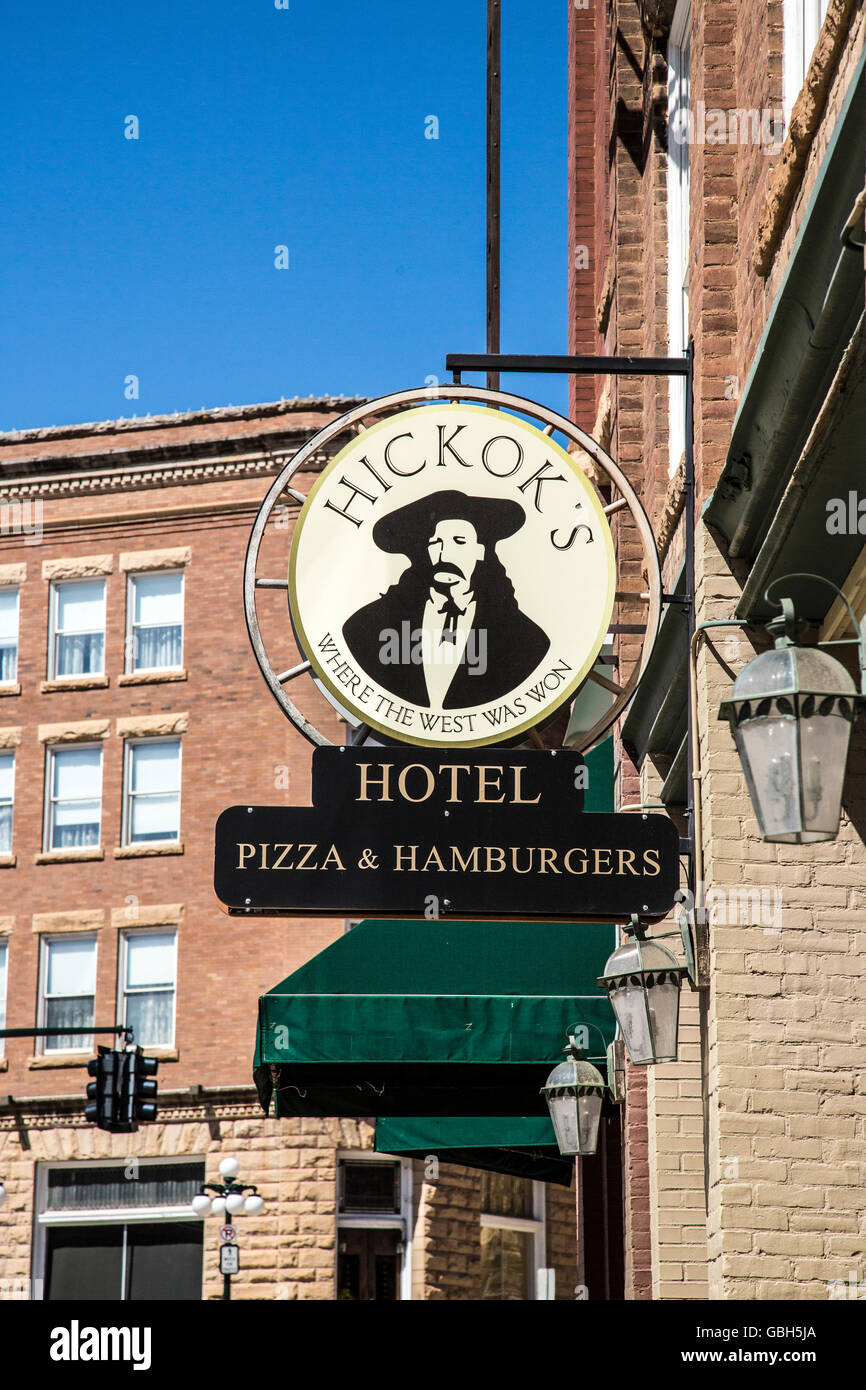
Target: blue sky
[(261, 127)]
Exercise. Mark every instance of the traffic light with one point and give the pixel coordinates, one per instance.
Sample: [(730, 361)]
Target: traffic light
[(138, 1093), (104, 1092)]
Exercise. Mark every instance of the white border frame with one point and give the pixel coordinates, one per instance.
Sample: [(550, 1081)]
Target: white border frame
[(129, 639), (52, 627), (51, 750), (396, 1221), (114, 1216), (45, 940), (122, 945), (135, 741)]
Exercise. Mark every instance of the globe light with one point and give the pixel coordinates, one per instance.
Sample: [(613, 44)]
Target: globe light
[(254, 1203), (790, 713), (201, 1204), (2, 1193), (229, 1167), (234, 1202), (218, 1206), (574, 1092), (642, 980)]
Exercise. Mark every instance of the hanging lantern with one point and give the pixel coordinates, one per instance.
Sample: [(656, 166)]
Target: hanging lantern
[(574, 1092), (790, 713), (642, 980)]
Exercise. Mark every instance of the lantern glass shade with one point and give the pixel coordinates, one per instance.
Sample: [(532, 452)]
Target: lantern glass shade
[(218, 1206), (234, 1202), (574, 1092), (642, 979), (201, 1204), (790, 713), (254, 1203)]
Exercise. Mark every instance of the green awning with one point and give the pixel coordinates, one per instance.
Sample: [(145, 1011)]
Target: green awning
[(439, 1018), (523, 1146)]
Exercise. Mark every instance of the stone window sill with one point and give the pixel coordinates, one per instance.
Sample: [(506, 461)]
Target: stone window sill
[(151, 677), (74, 683), (4, 1063), (8, 861), (9, 688), (60, 1059), (162, 1054), (142, 851), (68, 856)]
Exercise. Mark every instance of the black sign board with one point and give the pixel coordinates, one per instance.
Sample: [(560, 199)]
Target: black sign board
[(425, 833)]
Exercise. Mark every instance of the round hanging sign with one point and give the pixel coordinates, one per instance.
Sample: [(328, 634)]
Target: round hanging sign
[(452, 576)]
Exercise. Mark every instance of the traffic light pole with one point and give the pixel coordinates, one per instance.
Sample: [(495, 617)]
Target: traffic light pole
[(65, 1032)]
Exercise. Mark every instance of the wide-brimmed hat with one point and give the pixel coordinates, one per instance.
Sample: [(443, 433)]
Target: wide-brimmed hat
[(409, 528)]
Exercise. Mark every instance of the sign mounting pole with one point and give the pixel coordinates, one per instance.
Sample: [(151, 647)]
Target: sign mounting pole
[(494, 107)]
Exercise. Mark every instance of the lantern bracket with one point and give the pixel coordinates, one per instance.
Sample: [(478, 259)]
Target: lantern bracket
[(788, 625)]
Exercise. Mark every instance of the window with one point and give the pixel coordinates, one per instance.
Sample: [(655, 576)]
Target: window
[(118, 1232), (74, 801), (678, 183), (68, 990), (7, 787), (154, 606), (512, 1237), (152, 800), (370, 1187), (4, 966), (8, 634), (148, 973), (77, 646), (802, 20)]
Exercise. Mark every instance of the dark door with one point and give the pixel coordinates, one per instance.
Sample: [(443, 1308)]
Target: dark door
[(368, 1266)]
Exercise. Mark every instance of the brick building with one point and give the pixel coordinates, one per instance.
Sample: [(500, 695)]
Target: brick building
[(131, 714), (716, 190)]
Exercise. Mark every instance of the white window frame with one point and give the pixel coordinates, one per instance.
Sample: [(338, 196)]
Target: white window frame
[(536, 1226), (129, 665), (100, 1216), (16, 590), (678, 233), (4, 987), (9, 753), (45, 942), (51, 752), (385, 1221), (54, 632), (126, 828), (802, 21), (123, 992)]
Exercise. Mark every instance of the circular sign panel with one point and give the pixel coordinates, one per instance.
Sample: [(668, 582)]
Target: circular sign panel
[(452, 576)]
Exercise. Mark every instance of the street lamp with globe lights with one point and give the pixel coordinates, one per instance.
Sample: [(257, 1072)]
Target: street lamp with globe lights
[(228, 1196)]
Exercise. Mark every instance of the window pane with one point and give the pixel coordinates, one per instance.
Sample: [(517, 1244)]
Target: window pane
[(80, 654), (158, 599), (81, 607), (96, 1188), (77, 774), (165, 1261), (150, 1014), (8, 614), (370, 1187), (71, 967), (155, 818), (156, 647), (503, 1195), (83, 1263), (155, 767), (7, 774), (5, 829), (150, 959), (506, 1264), (8, 660), (69, 1013)]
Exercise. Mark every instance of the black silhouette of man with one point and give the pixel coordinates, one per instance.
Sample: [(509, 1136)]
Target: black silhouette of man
[(457, 601)]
